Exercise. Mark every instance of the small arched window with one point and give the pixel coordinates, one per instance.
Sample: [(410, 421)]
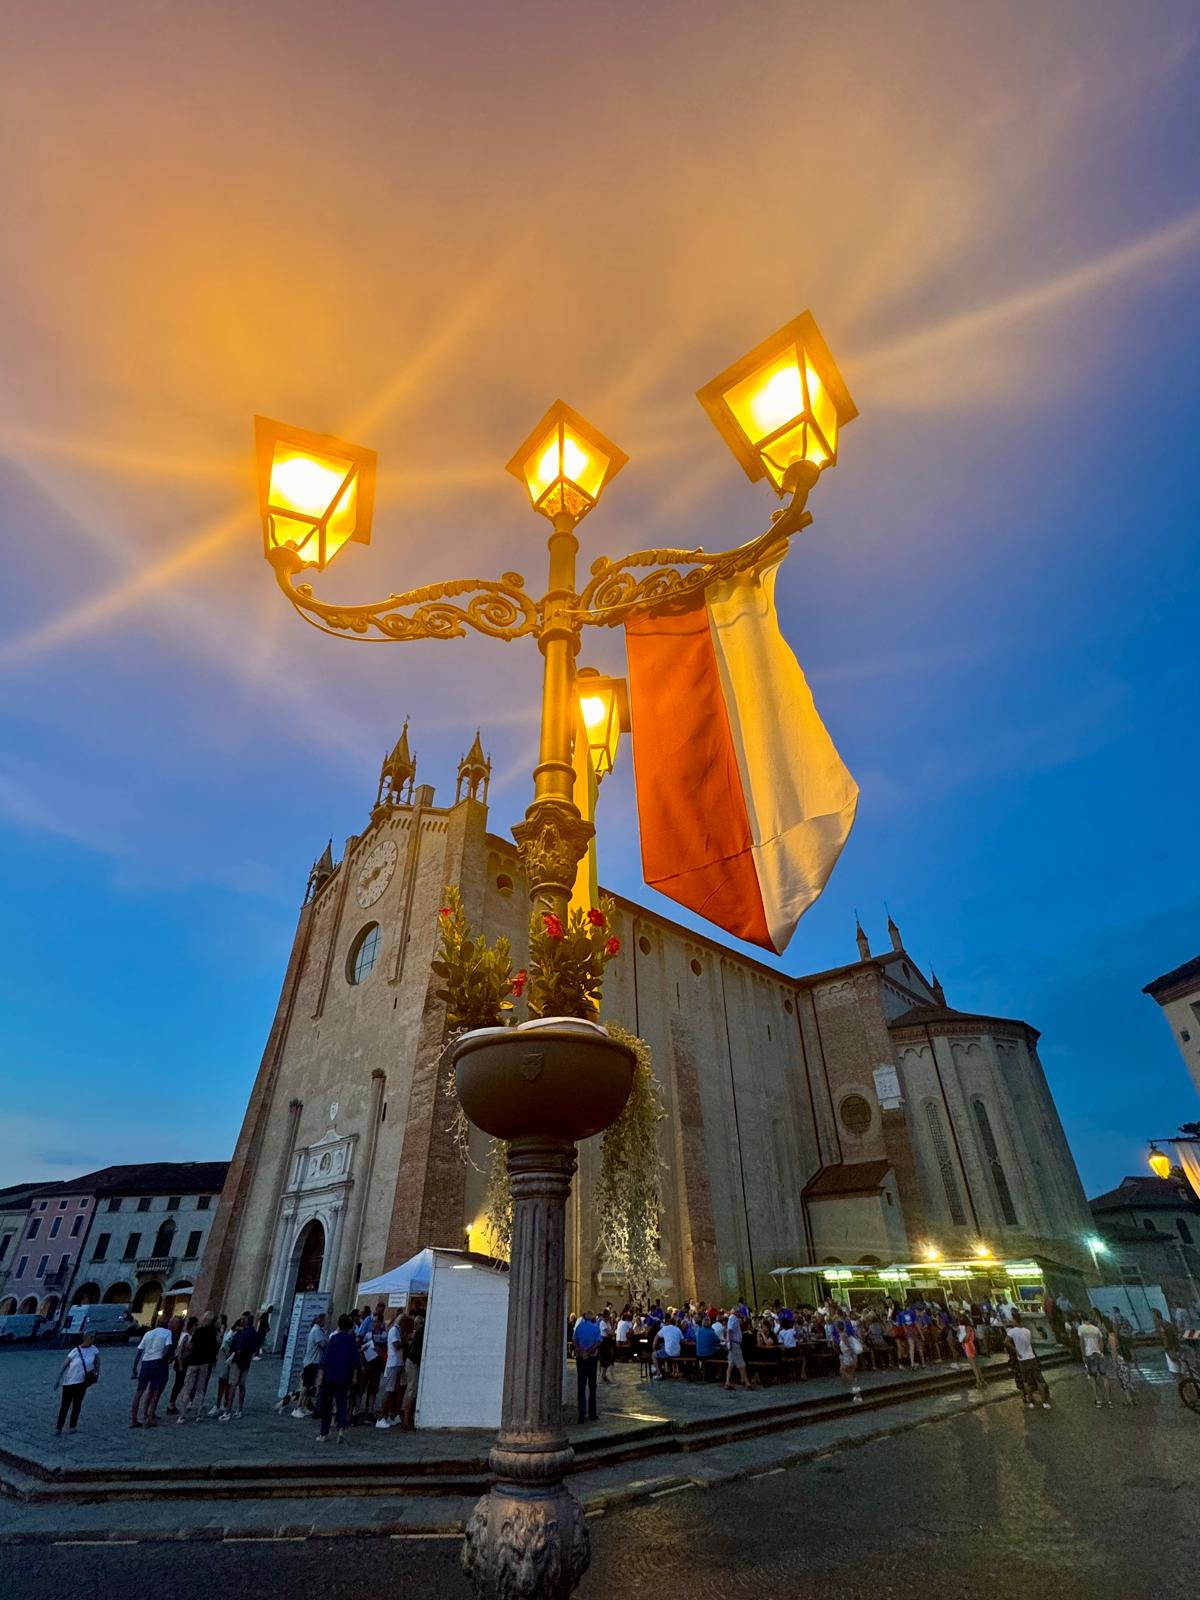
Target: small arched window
[(164, 1238)]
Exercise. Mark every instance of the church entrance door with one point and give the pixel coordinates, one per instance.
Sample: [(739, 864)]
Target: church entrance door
[(309, 1258)]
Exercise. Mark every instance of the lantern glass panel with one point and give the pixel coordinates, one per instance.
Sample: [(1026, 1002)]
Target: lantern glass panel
[(769, 398), (583, 463), (544, 465)]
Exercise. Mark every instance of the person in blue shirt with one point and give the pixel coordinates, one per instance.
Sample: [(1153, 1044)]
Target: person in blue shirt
[(585, 1342), (906, 1320), (707, 1343), (342, 1360)]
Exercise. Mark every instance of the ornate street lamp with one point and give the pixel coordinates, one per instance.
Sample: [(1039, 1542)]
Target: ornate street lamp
[(604, 709), (783, 407), (1160, 1164)]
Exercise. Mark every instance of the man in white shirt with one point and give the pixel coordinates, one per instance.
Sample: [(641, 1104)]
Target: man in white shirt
[(624, 1330), (787, 1336), (1029, 1372), (393, 1376), (1091, 1343), (150, 1367), (667, 1346)]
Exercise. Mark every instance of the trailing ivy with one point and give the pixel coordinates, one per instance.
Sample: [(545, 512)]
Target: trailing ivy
[(627, 1195)]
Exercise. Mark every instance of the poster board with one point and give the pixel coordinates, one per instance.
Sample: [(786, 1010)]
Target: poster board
[(304, 1308), (463, 1351)]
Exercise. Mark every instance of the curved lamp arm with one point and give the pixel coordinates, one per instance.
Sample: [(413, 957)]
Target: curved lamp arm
[(500, 607), (613, 594)]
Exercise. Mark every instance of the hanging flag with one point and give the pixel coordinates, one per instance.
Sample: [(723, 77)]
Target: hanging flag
[(743, 801)]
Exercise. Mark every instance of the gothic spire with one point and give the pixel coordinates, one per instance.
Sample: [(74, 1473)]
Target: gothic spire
[(864, 948), (398, 773), (474, 773)]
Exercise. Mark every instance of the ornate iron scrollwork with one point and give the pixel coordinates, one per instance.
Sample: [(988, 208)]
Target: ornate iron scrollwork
[(614, 594), (500, 608)]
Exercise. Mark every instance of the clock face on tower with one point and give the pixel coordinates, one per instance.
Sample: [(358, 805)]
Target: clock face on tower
[(376, 873)]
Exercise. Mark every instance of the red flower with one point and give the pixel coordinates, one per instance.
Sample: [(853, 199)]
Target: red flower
[(445, 912), (554, 928), (612, 946), (520, 979), (596, 918)]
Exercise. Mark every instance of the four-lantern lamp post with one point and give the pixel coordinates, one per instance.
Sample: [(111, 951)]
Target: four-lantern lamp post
[(781, 410)]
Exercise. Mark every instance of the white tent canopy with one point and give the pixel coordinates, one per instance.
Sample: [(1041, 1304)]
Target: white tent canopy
[(411, 1277)]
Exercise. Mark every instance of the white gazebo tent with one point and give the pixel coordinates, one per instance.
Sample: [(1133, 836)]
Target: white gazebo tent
[(466, 1319)]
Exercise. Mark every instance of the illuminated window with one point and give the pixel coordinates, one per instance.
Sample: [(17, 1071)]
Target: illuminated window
[(949, 1177), (995, 1166), (364, 953)]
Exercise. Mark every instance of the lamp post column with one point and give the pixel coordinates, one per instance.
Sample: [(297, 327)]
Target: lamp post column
[(527, 1538)]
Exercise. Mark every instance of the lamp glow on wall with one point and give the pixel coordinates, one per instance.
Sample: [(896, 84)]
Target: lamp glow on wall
[(781, 408), (566, 464), (604, 709), (315, 492)]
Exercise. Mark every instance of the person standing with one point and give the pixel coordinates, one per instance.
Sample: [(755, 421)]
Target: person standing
[(179, 1361), (202, 1354), (150, 1368), (1091, 1345), (608, 1345), (849, 1350), (79, 1371), (314, 1360), (393, 1375), (1029, 1371), (585, 1343), (412, 1372), (342, 1360), (241, 1353), (735, 1361), (224, 1357), (970, 1350), (1121, 1363)]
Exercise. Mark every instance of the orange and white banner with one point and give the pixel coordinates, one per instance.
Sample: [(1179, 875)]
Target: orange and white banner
[(743, 801)]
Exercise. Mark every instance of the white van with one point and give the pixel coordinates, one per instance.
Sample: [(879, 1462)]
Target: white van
[(105, 1323)]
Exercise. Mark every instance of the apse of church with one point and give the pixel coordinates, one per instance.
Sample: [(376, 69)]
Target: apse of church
[(848, 1116)]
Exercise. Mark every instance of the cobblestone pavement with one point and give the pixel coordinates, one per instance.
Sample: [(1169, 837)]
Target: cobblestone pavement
[(265, 1435), (1072, 1502)]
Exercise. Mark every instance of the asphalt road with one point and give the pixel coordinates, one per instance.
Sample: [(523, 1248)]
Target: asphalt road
[(1075, 1502)]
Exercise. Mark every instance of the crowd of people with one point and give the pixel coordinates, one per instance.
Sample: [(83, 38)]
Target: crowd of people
[(889, 1333), (365, 1370)]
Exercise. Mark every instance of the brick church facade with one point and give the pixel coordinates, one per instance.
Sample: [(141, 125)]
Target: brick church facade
[(846, 1116)]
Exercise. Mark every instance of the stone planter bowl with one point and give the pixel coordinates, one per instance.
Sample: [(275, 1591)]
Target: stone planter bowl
[(556, 1082)]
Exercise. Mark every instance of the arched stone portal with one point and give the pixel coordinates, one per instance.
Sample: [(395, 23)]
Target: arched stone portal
[(7, 1307), (117, 1294), (28, 1306), (309, 1258), (49, 1306), (87, 1294)]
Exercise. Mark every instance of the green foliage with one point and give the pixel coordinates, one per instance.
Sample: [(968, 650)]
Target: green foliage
[(566, 963), (498, 1202), (477, 978), (627, 1195)]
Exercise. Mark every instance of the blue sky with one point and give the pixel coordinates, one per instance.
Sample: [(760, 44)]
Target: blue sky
[(420, 237)]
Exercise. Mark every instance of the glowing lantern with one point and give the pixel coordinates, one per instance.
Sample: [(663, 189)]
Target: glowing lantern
[(315, 492), (1160, 1164), (604, 708), (566, 464), (780, 408)]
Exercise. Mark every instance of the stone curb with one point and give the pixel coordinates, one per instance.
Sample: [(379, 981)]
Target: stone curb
[(598, 1503)]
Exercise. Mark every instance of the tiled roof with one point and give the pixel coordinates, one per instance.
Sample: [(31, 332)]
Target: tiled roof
[(931, 1016), (146, 1177), (1189, 969), (1146, 1194), (847, 1177)]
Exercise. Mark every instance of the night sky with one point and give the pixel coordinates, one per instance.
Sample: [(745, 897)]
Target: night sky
[(417, 225)]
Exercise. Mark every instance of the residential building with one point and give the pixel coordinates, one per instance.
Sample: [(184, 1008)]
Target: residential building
[(129, 1235), (1178, 993), (1151, 1228)]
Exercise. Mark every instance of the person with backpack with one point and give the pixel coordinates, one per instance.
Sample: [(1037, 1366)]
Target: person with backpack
[(241, 1353)]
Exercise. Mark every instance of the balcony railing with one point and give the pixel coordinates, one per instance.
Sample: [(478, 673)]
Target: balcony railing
[(155, 1264)]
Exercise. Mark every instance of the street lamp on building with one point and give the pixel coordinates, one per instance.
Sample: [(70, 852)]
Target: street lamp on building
[(1160, 1164), (781, 410), (1098, 1248)]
